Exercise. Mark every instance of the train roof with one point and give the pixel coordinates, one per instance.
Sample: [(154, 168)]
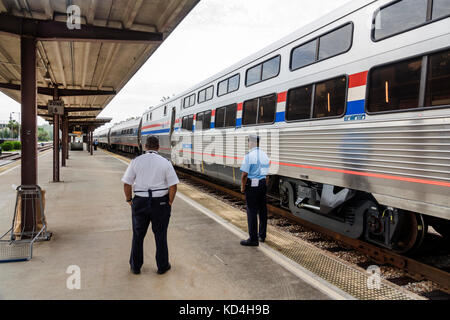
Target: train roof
[(339, 13), (126, 124)]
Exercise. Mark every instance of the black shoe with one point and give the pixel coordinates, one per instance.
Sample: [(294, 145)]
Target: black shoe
[(135, 271), (262, 239), (162, 271), (249, 243)]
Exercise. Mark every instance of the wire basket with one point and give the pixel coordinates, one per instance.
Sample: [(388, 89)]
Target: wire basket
[(28, 226)]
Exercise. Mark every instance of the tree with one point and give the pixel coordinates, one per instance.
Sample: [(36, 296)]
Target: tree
[(4, 133), (13, 125), (43, 135)]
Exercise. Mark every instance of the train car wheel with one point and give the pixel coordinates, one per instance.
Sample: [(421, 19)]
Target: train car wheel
[(411, 233)]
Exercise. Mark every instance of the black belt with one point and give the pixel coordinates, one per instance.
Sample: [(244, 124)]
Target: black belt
[(150, 196)]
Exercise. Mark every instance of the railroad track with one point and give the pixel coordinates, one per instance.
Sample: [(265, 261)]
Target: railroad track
[(6, 159), (414, 269)]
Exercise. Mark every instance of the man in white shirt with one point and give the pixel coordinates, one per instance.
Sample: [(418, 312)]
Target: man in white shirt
[(155, 186)]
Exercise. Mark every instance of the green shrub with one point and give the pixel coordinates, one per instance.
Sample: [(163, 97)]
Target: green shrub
[(17, 145), (7, 146)]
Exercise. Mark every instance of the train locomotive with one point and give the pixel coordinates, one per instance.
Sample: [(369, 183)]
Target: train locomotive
[(353, 109)]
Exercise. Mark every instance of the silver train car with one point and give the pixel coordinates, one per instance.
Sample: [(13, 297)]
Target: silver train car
[(126, 136), (354, 112), (102, 136)]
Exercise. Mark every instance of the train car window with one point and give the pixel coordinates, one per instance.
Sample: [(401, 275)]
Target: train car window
[(202, 96), (399, 17), (207, 120), (223, 88), (441, 8), (233, 83), (229, 85), (267, 108), (189, 101), (254, 75), (271, 68), (199, 121), (304, 55), (395, 86), (220, 118), (299, 103), (192, 100), (330, 98), (230, 119), (336, 42), (206, 94), (209, 93), (190, 123), (438, 80), (184, 122), (264, 71), (165, 110), (250, 112)]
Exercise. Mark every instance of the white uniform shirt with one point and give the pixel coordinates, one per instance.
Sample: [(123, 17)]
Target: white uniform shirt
[(150, 171)]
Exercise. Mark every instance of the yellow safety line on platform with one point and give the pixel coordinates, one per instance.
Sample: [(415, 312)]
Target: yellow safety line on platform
[(118, 157)]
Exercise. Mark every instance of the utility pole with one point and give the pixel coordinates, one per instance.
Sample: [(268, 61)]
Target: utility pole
[(11, 136), (19, 122)]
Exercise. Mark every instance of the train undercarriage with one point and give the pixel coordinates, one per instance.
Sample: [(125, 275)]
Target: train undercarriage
[(126, 149), (357, 214)]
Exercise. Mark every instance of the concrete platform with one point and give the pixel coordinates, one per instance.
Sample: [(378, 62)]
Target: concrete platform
[(91, 227)]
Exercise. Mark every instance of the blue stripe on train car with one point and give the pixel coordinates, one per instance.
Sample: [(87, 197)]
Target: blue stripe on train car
[(280, 117), (146, 133), (355, 107)]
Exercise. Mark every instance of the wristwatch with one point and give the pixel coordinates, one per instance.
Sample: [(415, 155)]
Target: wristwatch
[(129, 200)]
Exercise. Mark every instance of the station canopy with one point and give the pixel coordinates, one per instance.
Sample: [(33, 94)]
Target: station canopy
[(89, 66)]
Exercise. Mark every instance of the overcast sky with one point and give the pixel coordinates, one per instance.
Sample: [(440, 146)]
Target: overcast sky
[(215, 35)]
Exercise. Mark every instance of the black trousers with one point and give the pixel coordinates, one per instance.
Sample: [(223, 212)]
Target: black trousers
[(159, 215), (256, 198)]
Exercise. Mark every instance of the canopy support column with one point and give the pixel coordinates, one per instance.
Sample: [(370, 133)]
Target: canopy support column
[(55, 141), (29, 111), (64, 140), (28, 132), (91, 140)]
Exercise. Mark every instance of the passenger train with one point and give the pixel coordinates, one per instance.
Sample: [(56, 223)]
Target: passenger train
[(353, 110)]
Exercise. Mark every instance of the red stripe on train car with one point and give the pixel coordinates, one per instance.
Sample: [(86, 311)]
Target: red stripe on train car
[(213, 113), (368, 174), (240, 106), (358, 79), (282, 97), (152, 126)]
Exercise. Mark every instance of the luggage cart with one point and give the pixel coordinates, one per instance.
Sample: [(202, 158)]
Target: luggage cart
[(23, 234)]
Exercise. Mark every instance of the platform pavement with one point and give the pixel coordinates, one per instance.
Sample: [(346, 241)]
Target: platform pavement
[(91, 227)]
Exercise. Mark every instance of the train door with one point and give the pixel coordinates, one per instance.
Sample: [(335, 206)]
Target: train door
[(172, 129), (139, 137), (172, 122)]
